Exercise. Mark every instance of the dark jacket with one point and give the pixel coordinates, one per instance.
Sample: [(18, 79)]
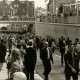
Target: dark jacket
[(2, 52), (69, 61), (30, 58), (44, 55), (62, 46)]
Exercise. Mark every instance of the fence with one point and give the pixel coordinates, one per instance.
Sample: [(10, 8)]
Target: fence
[(64, 20)]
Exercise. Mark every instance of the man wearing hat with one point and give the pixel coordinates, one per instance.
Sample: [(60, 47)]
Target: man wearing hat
[(46, 57), (71, 63)]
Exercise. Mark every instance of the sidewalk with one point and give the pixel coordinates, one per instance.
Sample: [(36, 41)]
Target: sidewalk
[(57, 72), (3, 74)]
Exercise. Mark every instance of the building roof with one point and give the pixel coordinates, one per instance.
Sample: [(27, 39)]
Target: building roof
[(23, 2), (8, 3)]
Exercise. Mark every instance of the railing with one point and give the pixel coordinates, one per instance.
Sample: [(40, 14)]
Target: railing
[(17, 26), (17, 22), (64, 20)]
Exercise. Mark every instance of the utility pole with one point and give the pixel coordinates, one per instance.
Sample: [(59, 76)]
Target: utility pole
[(54, 6), (77, 8), (34, 12), (27, 8), (77, 13)]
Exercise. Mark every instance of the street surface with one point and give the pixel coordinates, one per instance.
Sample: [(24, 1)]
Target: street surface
[(57, 72), (4, 76)]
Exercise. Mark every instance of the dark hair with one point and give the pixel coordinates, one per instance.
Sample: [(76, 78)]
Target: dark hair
[(30, 43), (18, 46), (70, 43), (2, 41)]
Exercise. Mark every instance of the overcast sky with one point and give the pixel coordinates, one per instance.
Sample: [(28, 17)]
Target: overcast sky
[(40, 3)]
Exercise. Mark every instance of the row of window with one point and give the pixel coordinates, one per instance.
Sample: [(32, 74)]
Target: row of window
[(15, 5), (23, 11), (16, 11), (3, 6)]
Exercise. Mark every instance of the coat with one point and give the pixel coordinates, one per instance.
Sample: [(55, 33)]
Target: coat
[(2, 52), (46, 58), (44, 54), (30, 58), (69, 61)]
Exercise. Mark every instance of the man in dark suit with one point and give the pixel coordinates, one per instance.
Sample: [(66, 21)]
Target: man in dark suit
[(46, 57), (2, 53), (62, 48), (30, 61), (71, 63)]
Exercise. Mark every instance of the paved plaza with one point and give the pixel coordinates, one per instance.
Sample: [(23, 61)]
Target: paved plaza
[(57, 72), (4, 76)]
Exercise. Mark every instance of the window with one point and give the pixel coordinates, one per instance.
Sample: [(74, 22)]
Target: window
[(17, 5), (14, 5)]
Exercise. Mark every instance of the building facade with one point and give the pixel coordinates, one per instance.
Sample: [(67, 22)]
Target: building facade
[(5, 8), (17, 8), (54, 4)]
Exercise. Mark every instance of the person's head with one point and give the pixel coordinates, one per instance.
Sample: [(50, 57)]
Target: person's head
[(15, 65), (71, 47), (76, 39), (19, 76), (67, 38), (18, 46), (45, 44), (30, 43), (2, 41)]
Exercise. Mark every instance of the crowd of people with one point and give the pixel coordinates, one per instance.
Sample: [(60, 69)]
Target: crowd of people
[(21, 55)]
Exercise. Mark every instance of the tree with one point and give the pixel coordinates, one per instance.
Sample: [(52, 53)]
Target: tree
[(60, 9)]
